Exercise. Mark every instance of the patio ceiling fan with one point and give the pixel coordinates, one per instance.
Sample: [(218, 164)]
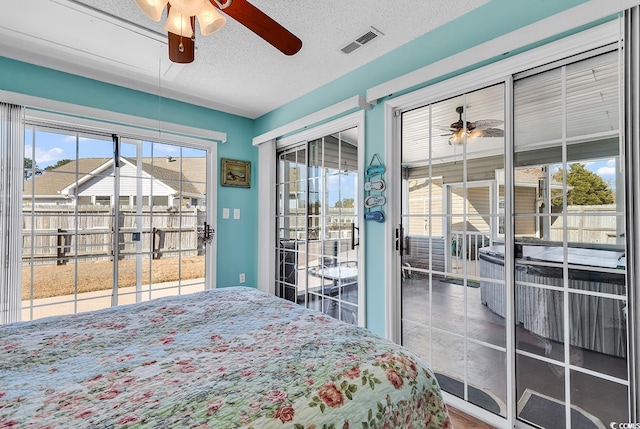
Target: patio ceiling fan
[(181, 24), (479, 128)]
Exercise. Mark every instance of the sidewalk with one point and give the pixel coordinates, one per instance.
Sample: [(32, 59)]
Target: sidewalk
[(90, 301)]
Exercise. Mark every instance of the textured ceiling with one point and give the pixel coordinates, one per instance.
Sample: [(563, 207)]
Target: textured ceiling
[(235, 71)]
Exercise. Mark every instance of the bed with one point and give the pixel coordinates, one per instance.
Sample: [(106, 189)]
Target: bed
[(225, 358)]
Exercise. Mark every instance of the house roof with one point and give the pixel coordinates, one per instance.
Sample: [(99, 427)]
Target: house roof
[(51, 182), (190, 170), (189, 173)]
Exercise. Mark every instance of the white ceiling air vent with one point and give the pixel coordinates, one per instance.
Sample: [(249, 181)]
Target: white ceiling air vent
[(362, 40)]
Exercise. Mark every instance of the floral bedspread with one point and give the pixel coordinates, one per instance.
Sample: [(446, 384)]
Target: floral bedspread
[(226, 358)]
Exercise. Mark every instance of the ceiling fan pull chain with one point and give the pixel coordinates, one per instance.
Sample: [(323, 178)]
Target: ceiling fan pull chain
[(223, 5)]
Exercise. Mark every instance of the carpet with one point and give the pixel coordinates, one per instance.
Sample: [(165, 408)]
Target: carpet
[(476, 396), (549, 413), (459, 282)]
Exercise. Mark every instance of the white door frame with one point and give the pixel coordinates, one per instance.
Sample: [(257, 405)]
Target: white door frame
[(132, 128), (267, 201), (498, 72)]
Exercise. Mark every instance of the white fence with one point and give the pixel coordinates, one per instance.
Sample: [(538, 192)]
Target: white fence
[(588, 224), (58, 234)]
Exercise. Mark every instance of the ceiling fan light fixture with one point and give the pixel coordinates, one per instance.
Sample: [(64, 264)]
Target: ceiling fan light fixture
[(457, 138), (183, 14), (474, 134), (152, 8), (210, 19), (188, 7), (178, 23)]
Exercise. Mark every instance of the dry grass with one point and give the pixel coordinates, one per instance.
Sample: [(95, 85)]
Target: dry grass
[(54, 280)]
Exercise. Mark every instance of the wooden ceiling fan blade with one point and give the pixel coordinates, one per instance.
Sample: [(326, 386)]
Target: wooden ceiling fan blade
[(263, 25)]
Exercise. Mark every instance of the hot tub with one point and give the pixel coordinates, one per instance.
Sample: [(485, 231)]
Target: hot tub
[(597, 323)]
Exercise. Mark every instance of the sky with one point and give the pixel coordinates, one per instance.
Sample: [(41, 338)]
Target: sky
[(52, 147), (605, 169), (341, 186)]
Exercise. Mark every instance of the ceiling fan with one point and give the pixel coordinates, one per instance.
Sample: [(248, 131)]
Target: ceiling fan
[(480, 128), (181, 24)]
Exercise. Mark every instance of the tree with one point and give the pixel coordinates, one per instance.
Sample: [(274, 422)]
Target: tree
[(344, 203), (30, 168), (58, 164), (585, 188)]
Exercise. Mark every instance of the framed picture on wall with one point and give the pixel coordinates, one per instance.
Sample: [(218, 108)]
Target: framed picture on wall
[(235, 173)]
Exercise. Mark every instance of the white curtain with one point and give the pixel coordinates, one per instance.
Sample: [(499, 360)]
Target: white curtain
[(11, 185)]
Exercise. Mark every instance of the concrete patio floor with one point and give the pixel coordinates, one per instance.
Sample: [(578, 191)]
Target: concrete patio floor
[(89, 301)]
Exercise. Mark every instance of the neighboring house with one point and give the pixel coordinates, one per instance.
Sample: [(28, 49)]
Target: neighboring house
[(481, 201), (90, 181)]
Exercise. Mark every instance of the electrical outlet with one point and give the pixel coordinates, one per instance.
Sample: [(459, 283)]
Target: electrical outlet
[(242, 278)]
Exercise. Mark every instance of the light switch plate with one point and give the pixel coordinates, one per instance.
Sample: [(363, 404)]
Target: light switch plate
[(236, 213), (225, 213)]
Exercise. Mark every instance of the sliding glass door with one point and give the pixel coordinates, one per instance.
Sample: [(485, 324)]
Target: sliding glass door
[(570, 280), (317, 220), (109, 221), (67, 240), (162, 211), (452, 151), (522, 235)]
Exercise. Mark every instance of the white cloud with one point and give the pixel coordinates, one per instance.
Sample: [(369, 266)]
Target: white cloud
[(53, 154), (606, 171), (42, 155), (609, 168)]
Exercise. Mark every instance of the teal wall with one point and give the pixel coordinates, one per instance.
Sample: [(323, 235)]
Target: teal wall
[(237, 239), (494, 19)]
